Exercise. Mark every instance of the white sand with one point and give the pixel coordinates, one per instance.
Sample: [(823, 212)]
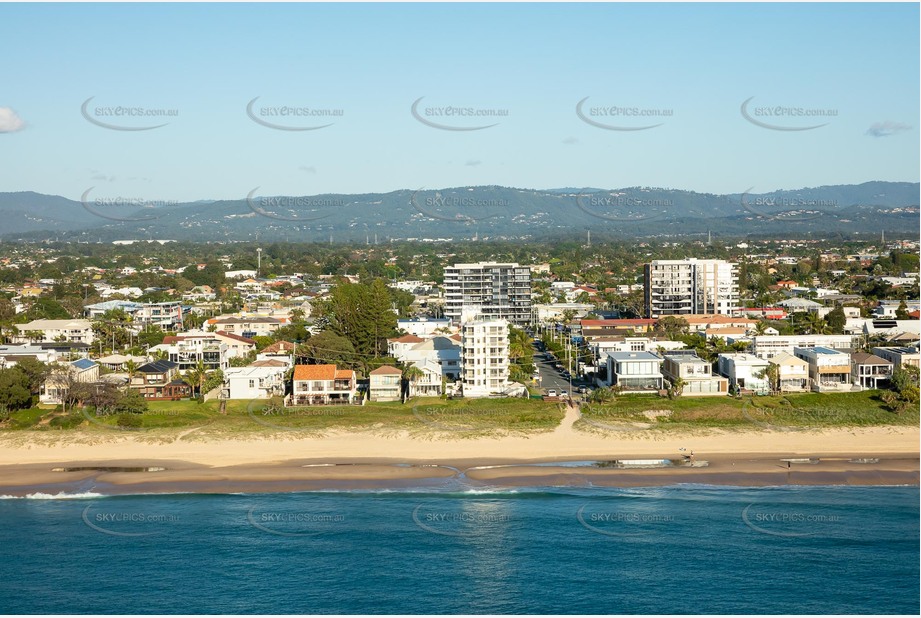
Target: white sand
[(564, 442)]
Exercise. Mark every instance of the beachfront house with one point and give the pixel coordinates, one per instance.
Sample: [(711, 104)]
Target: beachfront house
[(429, 384), (746, 372), (695, 373), (829, 370), (635, 372), (254, 382), (60, 380), (899, 356), (159, 379), (386, 384), (321, 385), (792, 373), (869, 370)]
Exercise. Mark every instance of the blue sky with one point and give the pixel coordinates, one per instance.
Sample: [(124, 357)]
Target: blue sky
[(695, 63)]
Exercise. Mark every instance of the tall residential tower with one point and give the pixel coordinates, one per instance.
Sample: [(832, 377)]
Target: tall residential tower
[(690, 286), (488, 290)]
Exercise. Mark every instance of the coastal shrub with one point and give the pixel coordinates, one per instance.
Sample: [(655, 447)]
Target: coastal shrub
[(68, 421), (127, 419)]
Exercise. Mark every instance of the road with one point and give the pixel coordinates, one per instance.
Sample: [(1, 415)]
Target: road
[(550, 378)]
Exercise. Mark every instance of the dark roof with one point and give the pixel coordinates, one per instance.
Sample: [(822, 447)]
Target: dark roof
[(83, 363), (157, 366), (862, 358)]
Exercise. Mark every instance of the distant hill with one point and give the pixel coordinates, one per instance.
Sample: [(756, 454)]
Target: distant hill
[(462, 212)]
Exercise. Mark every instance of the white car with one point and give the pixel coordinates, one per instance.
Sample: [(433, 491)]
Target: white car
[(564, 394), (551, 393)]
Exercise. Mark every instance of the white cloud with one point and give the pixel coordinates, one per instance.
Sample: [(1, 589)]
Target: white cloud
[(887, 128), (10, 122)]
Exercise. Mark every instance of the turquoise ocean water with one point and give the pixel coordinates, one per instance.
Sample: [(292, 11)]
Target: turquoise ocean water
[(678, 549)]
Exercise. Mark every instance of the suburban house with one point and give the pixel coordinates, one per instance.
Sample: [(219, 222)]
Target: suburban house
[(386, 384), (322, 384), (159, 380), (745, 372), (214, 349), (869, 370), (715, 322), (187, 353), (792, 373), (606, 328), (398, 346), (117, 362), (442, 350), (9, 354), (282, 351), (766, 346), (899, 356), (695, 372), (430, 383), (635, 372), (249, 327), (423, 326), (60, 379), (254, 382), (829, 370), (55, 330)]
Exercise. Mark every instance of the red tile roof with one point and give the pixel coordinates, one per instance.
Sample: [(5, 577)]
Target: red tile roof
[(235, 337), (407, 339), (386, 370), (279, 346), (315, 372)]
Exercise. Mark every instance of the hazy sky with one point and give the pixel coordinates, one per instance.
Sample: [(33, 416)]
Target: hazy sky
[(693, 65)]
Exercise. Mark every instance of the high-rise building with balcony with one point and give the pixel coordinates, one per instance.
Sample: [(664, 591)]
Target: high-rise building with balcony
[(690, 286), (488, 290), (485, 349)]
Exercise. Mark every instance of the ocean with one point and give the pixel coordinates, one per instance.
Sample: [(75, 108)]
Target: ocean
[(677, 549)]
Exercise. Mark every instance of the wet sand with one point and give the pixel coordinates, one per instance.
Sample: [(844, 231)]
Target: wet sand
[(375, 474)]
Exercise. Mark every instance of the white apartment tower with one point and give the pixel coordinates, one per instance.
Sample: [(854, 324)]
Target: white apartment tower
[(485, 357), (488, 290), (690, 286)]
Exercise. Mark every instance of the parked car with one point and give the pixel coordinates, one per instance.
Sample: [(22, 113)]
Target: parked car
[(551, 393), (564, 394)]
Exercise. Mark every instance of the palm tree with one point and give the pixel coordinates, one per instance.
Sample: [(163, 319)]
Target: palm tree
[(412, 374), (197, 376)]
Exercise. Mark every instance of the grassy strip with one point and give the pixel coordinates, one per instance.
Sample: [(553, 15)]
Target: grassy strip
[(806, 410)]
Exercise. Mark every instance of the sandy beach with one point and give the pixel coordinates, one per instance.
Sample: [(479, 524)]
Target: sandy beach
[(298, 462)]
